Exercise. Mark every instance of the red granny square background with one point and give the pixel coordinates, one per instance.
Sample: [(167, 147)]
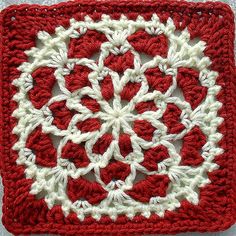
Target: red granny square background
[(25, 213)]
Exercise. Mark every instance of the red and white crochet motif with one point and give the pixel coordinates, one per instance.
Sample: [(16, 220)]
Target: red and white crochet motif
[(100, 124)]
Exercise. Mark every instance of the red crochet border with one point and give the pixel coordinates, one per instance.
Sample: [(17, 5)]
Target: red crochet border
[(217, 208)]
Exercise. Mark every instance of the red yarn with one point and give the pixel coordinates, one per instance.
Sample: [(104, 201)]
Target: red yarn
[(90, 103), (83, 189), (107, 89), (75, 153), (42, 146), (149, 44), (42, 90), (125, 144), (89, 125), (141, 107), (115, 171), (144, 129), (120, 63), (61, 114), (192, 91), (154, 185), (129, 91), (23, 212), (171, 118), (158, 80), (78, 78), (87, 45), (193, 141), (102, 144), (153, 156)]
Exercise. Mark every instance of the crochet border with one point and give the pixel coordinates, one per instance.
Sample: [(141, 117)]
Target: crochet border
[(127, 227)]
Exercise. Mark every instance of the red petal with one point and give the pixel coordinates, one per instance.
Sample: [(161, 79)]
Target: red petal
[(193, 142), (144, 129), (89, 125), (188, 81), (102, 144), (76, 153), (82, 189), (90, 103), (125, 145), (141, 107), (152, 186), (107, 88), (129, 91), (62, 115), (171, 118), (152, 45), (86, 45), (78, 78), (42, 146), (153, 156), (43, 80), (115, 171), (120, 63), (157, 80)]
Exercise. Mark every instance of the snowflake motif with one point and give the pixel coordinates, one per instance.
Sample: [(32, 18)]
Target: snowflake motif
[(90, 105)]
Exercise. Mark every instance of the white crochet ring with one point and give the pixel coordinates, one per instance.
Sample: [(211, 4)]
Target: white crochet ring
[(117, 116)]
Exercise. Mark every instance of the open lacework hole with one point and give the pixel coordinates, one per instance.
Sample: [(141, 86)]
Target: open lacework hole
[(145, 58), (178, 145), (56, 90), (55, 140), (178, 93), (42, 194), (139, 177), (95, 56), (90, 177)]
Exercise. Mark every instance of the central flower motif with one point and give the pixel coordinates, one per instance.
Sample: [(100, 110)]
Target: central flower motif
[(116, 113)]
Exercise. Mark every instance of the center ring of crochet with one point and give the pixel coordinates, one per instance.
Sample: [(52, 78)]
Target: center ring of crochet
[(100, 124)]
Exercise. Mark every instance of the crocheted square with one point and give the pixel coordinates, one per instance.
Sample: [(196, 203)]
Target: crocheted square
[(118, 117)]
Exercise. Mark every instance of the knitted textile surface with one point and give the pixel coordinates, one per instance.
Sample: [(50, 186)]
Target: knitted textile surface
[(118, 117)]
